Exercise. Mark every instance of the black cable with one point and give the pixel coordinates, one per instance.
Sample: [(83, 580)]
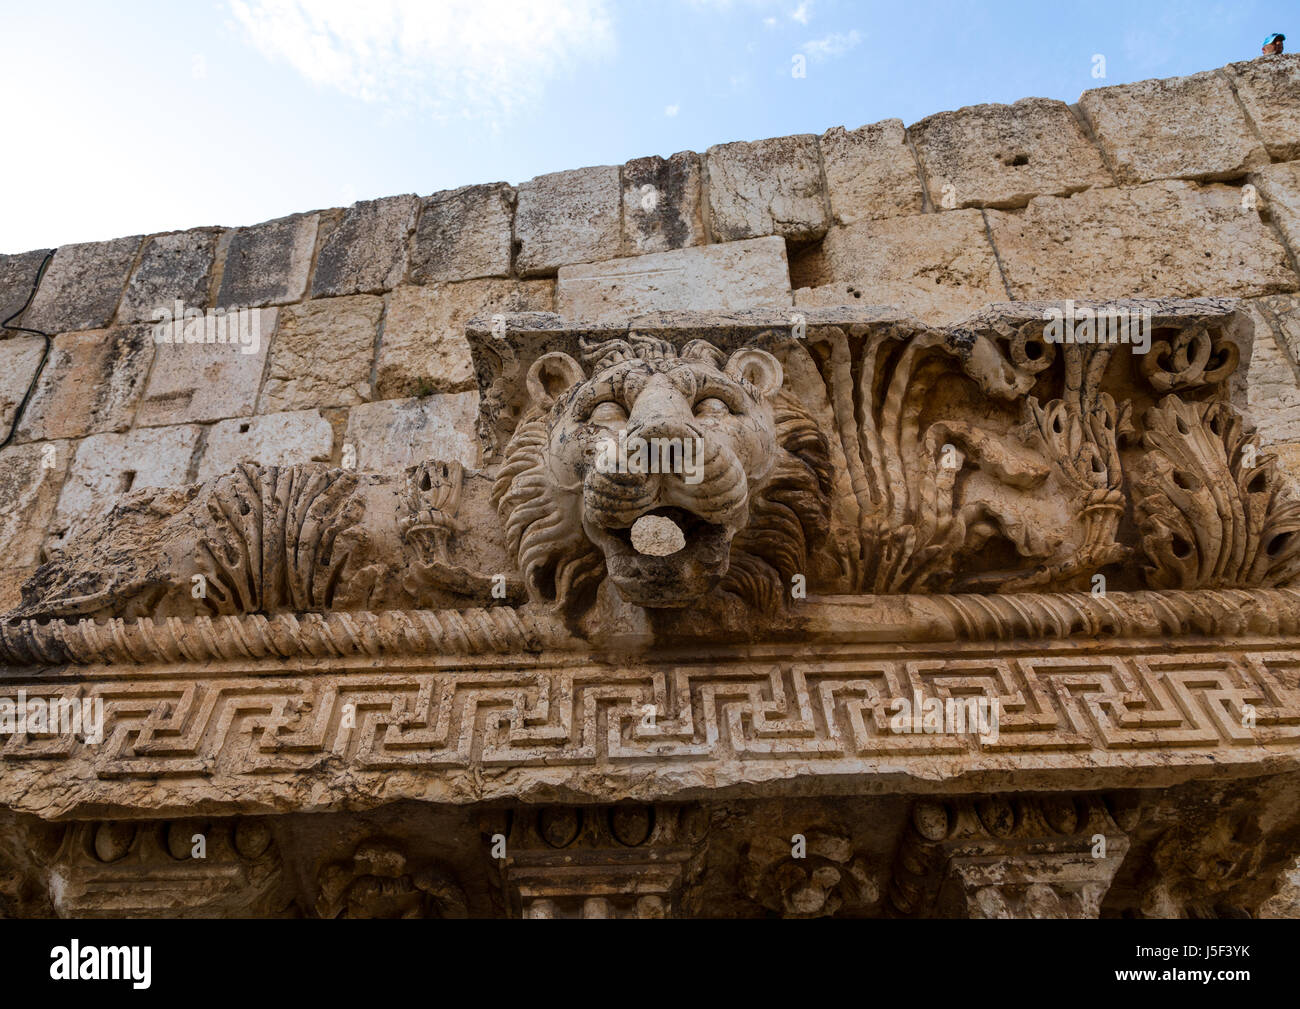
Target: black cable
[(13, 430)]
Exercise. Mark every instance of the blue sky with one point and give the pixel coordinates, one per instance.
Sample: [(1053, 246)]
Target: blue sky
[(151, 116)]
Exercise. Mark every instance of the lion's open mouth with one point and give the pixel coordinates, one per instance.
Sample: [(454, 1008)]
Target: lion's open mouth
[(692, 527), (680, 557)]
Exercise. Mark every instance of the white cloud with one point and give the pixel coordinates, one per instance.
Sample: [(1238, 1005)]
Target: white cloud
[(769, 22), (834, 44), (802, 13), (671, 110), (480, 58)]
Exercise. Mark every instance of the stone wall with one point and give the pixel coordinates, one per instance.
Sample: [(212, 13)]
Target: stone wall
[(1182, 188)]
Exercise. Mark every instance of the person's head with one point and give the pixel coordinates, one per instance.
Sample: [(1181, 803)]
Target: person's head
[(1273, 44)]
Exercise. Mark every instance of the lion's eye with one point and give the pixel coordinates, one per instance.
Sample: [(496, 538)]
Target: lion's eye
[(608, 412), (711, 407)]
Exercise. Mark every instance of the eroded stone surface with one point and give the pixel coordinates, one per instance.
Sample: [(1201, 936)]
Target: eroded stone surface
[(268, 263), (423, 349), (20, 356), (736, 275), (365, 252), (1274, 385), (274, 439), (208, 381), (463, 234), (1168, 238), (662, 204), (91, 383), (17, 275), (1268, 88), (1178, 127), (871, 172), (1279, 187), (397, 433), (322, 353), (106, 466), (30, 478), (939, 267), (1002, 155), (82, 286), (567, 217), (767, 187), (173, 267)]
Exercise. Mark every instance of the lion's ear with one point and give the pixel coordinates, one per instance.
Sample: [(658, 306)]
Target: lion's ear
[(551, 375), (757, 367)]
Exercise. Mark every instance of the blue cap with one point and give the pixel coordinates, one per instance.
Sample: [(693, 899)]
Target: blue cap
[(1275, 37)]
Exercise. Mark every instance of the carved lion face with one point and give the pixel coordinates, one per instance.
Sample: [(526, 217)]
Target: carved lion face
[(686, 439)]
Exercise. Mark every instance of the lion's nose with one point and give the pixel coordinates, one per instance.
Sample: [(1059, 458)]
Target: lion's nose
[(660, 411)]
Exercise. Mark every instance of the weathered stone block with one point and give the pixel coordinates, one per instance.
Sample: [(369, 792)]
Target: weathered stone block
[(1279, 185), (1283, 312), (91, 383), (1179, 127), (737, 275), (768, 187), (462, 234), (662, 206), (106, 466), (11, 586), (396, 433), (366, 251), (268, 264), (82, 286), (1166, 239), (174, 267), (208, 381), (567, 217), (20, 356), (30, 478), (17, 275), (1273, 386), (423, 348), (1002, 155), (871, 172), (1269, 89), (275, 439), (939, 267), (322, 354)]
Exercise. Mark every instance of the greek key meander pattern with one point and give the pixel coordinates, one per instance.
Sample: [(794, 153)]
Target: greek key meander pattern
[(834, 709)]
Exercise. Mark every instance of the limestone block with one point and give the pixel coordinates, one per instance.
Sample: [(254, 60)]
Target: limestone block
[(106, 466), (939, 267), (208, 381), (1178, 127), (870, 172), (1273, 393), (423, 348), (567, 217), (20, 356), (396, 433), (274, 439), (1269, 89), (1283, 311), (91, 383), (322, 353), (1279, 185), (662, 208), (82, 286), (17, 275), (462, 234), (751, 274), (268, 264), (366, 251), (768, 187), (30, 478), (1169, 238), (173, 267), (1002, 155)]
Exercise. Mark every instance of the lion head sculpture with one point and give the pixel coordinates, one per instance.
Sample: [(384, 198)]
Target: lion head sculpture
[(707, 447)]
